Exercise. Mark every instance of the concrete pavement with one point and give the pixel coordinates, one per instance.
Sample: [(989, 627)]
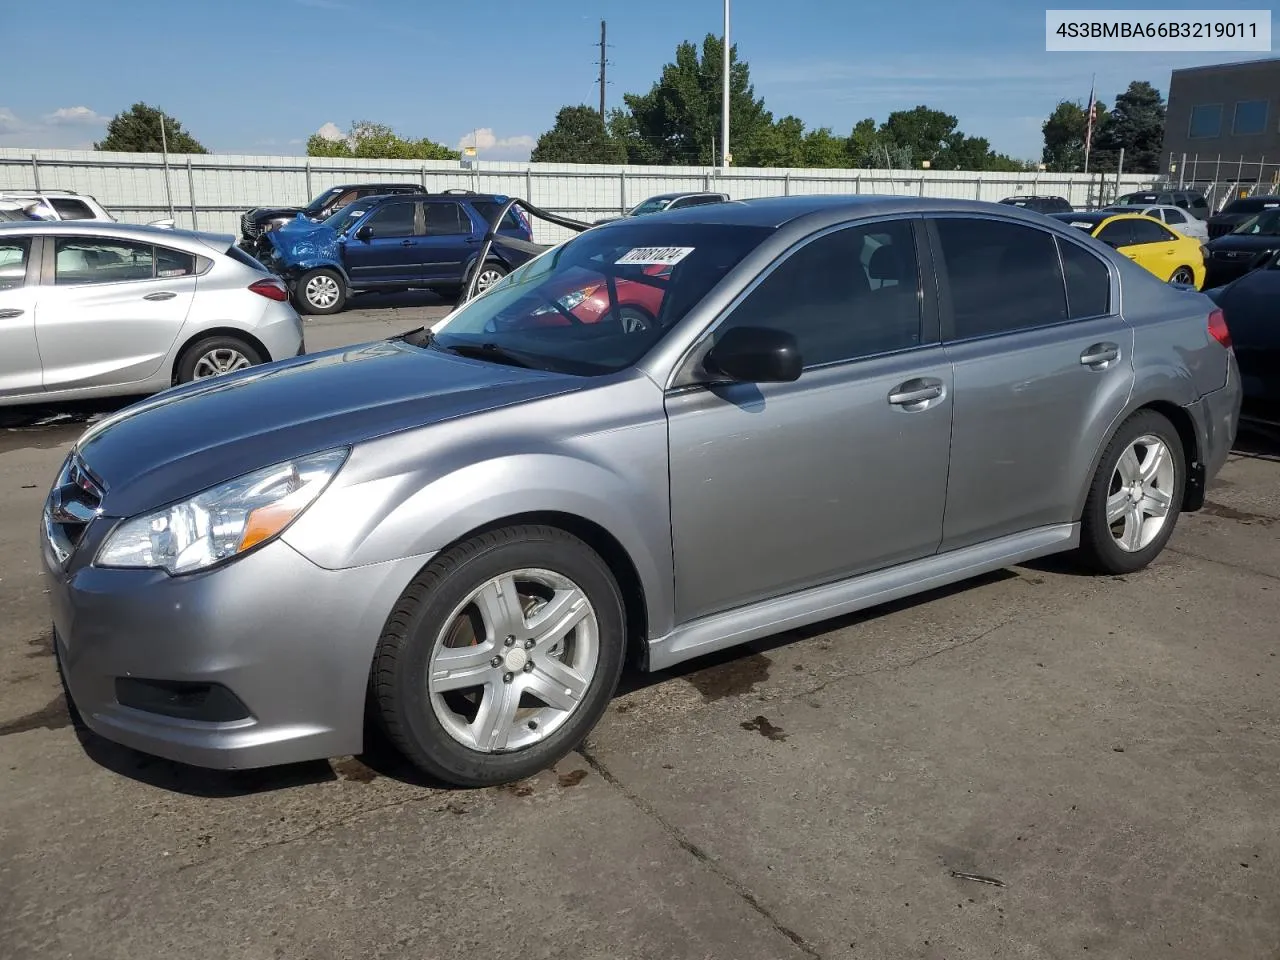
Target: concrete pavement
[(1036, 765)]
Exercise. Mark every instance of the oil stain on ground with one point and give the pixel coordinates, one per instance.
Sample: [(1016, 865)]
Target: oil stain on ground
[(572, 778), (353, 770), (52, 716), (731, 678), (1231, 513), (764, 728)]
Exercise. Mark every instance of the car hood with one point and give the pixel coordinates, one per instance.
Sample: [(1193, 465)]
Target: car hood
[(272, 213), (1246, 242), (302, 240), (196, 436)]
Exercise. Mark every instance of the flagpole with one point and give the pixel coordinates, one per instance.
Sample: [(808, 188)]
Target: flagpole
[(1088, 136)]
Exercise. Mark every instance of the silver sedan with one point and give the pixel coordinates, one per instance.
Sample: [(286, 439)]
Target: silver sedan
[(91, 309)]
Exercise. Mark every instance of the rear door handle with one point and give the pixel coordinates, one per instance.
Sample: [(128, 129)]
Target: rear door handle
[(1100, 355), (160, 295), (10, 314), (474, 239), (915, 392), (406, 243)]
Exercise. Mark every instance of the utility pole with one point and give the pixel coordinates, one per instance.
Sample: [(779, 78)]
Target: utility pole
[(603, 63), (724, 104)]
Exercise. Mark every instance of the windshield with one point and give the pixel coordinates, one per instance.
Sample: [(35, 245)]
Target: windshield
[(1265, 224), (344, 218), (654, 205), (320, 202), (601, 301)]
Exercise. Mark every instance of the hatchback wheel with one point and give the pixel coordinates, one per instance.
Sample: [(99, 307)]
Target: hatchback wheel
[(1183, 275), (501, 656), (1133, 504), (321, 291), (215, 356)]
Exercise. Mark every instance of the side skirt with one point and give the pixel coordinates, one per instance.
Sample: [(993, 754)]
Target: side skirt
[(721, 630)]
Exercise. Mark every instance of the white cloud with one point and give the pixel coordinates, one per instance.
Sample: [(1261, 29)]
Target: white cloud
[(73, 116), (9, 122), (323, 4), (489, 145), (331, 131)]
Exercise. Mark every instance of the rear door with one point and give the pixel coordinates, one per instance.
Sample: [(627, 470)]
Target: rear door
[(450, 240), (1155, 247), (1042, 367), (19, 354), (109, 310)]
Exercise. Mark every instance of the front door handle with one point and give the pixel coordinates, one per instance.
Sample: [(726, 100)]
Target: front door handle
[(1100, 355), (160, 295), (406, 243), (10, 314), (914, 393)]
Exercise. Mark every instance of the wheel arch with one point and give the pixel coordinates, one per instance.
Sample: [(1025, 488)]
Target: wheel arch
[(205, 334)]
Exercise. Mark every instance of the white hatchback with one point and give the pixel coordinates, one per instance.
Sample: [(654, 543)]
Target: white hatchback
[(92, 309), (1175, 218)]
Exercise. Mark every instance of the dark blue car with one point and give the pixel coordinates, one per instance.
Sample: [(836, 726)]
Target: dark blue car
[(392, 243)]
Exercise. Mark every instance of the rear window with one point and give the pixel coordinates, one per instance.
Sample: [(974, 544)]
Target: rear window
[(489, 209), (69, 209)]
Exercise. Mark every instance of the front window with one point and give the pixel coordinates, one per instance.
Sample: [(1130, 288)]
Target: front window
[(322, 201), (1265, 224), (341, 221), (601, 301), (653, 205)]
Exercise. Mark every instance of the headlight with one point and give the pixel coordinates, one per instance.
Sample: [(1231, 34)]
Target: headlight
[(222, 522), (568, 301)]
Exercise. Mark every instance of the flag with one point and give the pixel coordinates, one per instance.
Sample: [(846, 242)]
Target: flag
[(1093, 116)]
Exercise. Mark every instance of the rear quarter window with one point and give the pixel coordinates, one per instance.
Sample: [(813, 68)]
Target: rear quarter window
[(488, 209)]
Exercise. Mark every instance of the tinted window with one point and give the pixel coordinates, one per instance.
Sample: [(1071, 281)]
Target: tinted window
[(446, 219), (853, 293), (1088, 281), (391, 220), (1266, 223), (1250, 118), (1148, 231), (602, 300), (69, 209), (1206, 121), (1172, 215), (1002, 276), (1250, 204), (13, 263), (1118, 233), (174, 263), (489, 209), (87, 260)]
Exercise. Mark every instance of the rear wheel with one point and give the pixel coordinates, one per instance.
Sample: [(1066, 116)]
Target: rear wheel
[(1183, 275), (1133, 504), (215, 356), (501, 656), (490, 274), (320, 291)]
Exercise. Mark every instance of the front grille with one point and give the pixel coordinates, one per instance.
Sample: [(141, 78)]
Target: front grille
[(248, 228), (73, 503), (1219, 230)]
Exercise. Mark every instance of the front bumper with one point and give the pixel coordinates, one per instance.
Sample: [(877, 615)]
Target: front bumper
[(290, 641)]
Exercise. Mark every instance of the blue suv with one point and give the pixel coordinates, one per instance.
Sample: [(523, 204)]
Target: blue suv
[(397, 242)]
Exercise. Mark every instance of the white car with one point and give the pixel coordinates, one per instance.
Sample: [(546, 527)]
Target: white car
[(91, 309), (1176, 218), (58, 204)]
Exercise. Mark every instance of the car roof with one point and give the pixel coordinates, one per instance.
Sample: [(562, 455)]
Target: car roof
[(190, 240), (676, 195)]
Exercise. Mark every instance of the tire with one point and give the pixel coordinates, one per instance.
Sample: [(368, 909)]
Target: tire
[(214, 356), (1101, 538), (635, 320), (443, 731), (320, 292), (1183, 275), (490, 274)]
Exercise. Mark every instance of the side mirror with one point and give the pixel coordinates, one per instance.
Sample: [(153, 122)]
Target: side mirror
[(756, 355), (365, 233)]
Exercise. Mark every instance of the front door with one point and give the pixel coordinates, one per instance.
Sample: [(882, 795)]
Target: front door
[(113, 312), (19, 355), (385, 249), (1042, 364), (779, 487)]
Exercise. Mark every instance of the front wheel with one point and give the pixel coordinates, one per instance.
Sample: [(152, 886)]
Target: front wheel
[(501, 656), (320, 291), (1133, 504)]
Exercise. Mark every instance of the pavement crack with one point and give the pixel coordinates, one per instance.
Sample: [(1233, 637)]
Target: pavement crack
[(697, 853), (1222, 563)]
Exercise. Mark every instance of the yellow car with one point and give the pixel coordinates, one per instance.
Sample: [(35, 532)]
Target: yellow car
[(1145, 240)]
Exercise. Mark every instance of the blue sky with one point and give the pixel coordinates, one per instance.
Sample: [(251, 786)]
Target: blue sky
[(260, 76)]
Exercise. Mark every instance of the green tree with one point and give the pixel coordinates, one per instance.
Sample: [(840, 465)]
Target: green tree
[(1136, 124), (1064, 135), (579, 136), (137, 130), (678, 120), (624, 129), (377, 141), (824, 149)]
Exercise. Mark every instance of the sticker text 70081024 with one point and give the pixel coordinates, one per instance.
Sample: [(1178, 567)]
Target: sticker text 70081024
[(646, 256)]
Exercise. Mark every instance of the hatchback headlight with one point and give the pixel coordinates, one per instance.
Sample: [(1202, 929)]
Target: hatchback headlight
[(224, 521), (569, 301)]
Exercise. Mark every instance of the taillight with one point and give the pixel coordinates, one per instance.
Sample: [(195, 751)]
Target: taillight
[(271, 288), (1218, 327)]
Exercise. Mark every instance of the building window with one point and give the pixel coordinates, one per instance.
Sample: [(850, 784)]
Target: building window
[(1250, 118), (1206, 121)]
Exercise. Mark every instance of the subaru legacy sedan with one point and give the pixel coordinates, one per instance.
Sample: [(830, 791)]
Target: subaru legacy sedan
[(462, 533)]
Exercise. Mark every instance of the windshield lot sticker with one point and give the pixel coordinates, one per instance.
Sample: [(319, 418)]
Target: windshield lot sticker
[(646, 256)]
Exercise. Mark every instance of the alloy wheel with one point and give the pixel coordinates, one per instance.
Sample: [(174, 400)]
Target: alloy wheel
[(1182, 275), (322, 292), (1140, 498), (219, 361), (487, 279), (514, 661)]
